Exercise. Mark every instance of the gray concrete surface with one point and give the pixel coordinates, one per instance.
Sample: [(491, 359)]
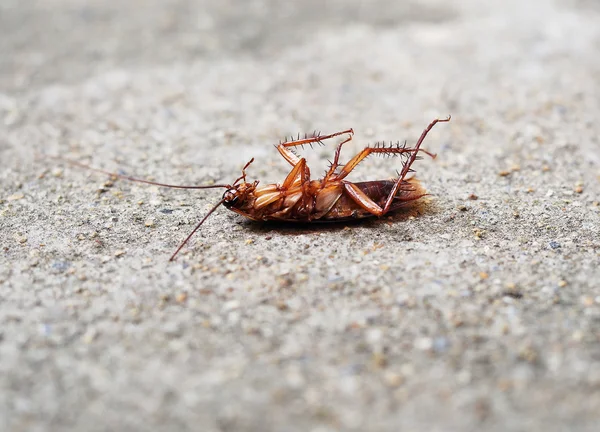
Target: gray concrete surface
[(457, 315)]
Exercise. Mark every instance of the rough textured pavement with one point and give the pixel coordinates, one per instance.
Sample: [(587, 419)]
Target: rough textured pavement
[(460, 314)]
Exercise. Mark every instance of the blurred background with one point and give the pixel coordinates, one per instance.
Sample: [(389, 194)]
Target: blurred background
[(75, 39), (478, 311)]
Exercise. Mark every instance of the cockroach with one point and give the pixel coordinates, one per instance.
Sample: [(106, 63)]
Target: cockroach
[(329, 199)]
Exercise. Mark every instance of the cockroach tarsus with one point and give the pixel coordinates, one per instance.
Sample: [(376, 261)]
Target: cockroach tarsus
[(300, 199)]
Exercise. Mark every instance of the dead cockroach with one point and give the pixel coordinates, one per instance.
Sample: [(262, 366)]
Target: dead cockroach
[(300, 199)]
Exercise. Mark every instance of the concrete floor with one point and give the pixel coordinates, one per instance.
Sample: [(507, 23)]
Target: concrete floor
[(478, 309)]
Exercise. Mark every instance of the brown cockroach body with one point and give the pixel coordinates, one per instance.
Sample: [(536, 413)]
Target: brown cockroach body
[(330, 199)]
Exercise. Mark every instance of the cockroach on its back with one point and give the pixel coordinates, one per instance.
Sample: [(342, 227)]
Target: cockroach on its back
[(300, 199)]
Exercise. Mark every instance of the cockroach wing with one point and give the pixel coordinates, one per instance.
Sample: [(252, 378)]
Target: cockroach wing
[(326, 199)]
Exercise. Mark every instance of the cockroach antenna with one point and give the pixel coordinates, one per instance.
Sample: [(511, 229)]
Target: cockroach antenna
[(196, 229), (135, 179)]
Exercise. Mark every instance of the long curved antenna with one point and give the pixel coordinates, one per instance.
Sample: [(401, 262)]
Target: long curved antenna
[(126, 177), (196, 229)]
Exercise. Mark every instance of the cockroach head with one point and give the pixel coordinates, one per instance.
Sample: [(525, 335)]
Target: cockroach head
[(237, 194), (230, 197)]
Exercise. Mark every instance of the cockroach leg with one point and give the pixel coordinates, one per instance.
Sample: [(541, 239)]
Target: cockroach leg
[(366, 203), (299, 174), (347, 169), (293, 159), (362, 199), (362, 155), (409, 162), (243, 176), (336, 159), (417, 148)]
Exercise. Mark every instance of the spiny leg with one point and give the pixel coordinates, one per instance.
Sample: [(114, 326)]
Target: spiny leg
[(362, 199), (292, 159), (350, 165), (407, 165), (336, 159), (347, 169)]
